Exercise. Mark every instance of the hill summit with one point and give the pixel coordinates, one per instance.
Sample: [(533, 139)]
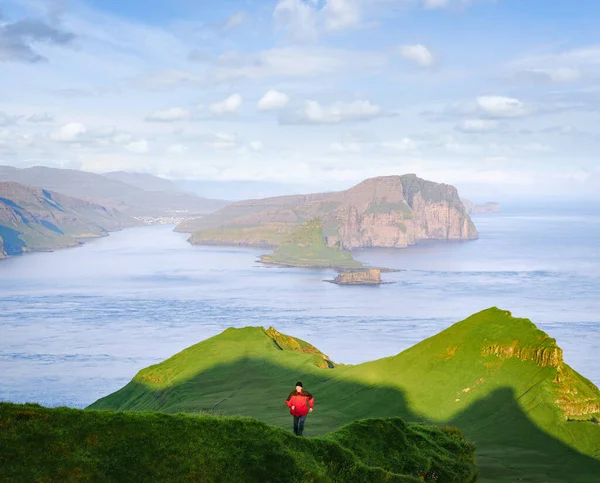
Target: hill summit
[(389, 211), (498, 378)]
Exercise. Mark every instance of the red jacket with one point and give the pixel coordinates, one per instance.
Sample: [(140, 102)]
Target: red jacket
[(301, 402)]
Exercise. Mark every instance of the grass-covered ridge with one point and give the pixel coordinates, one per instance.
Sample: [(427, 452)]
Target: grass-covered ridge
[(40, 444), (307, 247), (498, 378)]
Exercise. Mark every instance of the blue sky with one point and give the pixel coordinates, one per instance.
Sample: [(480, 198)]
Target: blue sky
[(501, 98)]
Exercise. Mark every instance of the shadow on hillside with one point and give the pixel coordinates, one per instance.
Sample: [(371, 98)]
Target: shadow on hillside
[(510, 447)]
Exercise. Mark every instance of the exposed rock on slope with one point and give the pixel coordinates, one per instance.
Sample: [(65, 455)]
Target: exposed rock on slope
[(392, 211), (36, 219)]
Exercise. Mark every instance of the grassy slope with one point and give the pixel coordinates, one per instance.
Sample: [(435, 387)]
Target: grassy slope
[(505, 404), (40, 444), (264, 236), (306, 247)]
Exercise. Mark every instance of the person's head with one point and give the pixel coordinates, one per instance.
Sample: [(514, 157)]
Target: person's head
[(298, 386)]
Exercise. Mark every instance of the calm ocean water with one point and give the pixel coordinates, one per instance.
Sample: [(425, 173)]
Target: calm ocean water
[(77, 324)]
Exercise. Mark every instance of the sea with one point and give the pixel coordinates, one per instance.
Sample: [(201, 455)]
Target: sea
[(77, 324)]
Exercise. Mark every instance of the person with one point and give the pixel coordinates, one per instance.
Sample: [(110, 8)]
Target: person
[(301, 403)]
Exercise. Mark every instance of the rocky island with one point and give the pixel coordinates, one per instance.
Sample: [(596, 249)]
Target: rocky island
[(389, 211), (368, 276)]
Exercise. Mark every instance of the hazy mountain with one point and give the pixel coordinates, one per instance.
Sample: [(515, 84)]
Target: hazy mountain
[(146, 182), (36, 219), (111, 192)]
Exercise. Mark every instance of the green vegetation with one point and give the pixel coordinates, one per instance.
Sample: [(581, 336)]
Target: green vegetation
[(499, 379), (40, 444), (307, 247), (264, 236)]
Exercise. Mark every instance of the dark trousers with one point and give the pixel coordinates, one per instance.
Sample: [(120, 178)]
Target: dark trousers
[(299, 425)]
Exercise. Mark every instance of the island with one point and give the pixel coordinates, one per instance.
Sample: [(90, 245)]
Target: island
[(307, 247), (485, 209), (368, 276), (387, 211)]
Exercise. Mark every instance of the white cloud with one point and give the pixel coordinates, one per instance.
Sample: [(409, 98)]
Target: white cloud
[(169, 115), (298, 18), (221, 140), (71, 132), (237, 19), (315, 113), (418, 54), (7, 119), (341, 14), (345, 147), (41, 118), (405, 145), (499, 106), (177, 149), (139, 147), (256, 145), (436, 3), (477, 125), (273, 100), (294, 62), (230, 105)]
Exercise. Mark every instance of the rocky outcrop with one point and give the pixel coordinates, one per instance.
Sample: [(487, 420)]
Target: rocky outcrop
[(2, 252), (391, 211), (543, 357), (370, 276)]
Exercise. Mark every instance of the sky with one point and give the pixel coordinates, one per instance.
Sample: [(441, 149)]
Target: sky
[(498, 97)]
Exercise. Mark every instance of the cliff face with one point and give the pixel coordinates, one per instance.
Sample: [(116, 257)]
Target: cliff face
[(371, 276), (37, 219), (391, 211)]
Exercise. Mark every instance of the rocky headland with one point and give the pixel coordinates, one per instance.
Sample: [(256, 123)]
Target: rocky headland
[(390, 211)]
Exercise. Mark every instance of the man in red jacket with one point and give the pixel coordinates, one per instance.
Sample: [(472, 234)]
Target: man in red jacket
[(301, 403)]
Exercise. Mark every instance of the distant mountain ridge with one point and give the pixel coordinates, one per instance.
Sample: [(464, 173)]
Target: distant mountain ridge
[(389, 211), (33, 219), (111, 191)]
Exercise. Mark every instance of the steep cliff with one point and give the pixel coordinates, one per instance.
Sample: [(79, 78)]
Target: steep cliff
[(391, 211), (37, 219)]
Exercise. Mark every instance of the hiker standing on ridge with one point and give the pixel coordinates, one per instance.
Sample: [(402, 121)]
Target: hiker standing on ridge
[(301, 403)]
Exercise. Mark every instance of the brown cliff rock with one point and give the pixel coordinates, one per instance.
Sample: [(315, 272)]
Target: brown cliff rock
[(390, 211), (370, 276)]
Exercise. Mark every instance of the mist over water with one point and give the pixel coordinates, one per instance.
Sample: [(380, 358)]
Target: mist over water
[(77, 324)]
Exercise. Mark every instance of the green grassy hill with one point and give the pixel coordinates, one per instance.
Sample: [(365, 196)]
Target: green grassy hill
[(307, 247), (498, 378), (40, 444)]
